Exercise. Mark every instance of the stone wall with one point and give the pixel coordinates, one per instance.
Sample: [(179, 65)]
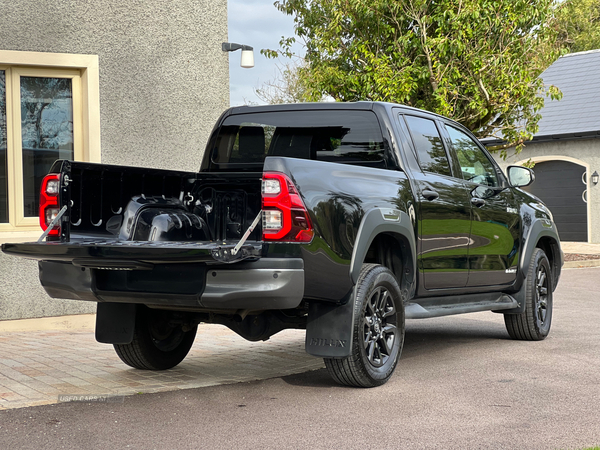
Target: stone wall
[(164, 81)]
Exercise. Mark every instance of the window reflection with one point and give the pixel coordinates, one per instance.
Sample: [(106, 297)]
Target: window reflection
[(474, 164), (46, 131), (351, 137), (430, 150)]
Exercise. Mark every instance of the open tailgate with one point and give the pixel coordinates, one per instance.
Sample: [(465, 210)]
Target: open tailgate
[(132, 254)]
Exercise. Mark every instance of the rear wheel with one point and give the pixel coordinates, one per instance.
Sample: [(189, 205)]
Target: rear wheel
[(378, 333), (534, 323), (158, 342)]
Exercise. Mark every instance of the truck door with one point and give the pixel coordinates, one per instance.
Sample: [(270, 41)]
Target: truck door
[(495, 229), (444, 209)]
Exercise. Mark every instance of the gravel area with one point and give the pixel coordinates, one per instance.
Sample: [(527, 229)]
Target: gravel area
[(579, 257)]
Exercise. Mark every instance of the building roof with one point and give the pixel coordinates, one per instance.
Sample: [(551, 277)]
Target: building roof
[(577, 114)]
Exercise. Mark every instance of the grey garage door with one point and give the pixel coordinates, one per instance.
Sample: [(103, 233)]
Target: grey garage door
[(559, 185)]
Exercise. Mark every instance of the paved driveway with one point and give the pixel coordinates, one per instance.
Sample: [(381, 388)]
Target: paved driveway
[(461, 383), (37, 367)]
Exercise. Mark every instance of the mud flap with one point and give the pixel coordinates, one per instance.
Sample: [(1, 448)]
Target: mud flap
[(329, 329), (115, 323)]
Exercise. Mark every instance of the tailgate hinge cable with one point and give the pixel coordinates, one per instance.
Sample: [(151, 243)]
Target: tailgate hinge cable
[(54, 222), (246, 234)]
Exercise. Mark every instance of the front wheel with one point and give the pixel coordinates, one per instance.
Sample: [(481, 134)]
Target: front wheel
[(534, 323), (378, 331), (159, 343)]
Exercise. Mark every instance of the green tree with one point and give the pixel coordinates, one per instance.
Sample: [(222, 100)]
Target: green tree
[(578, 25), (287, 86), (472, 60)]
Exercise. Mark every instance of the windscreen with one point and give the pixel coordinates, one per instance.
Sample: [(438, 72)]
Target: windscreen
[(350, 137)]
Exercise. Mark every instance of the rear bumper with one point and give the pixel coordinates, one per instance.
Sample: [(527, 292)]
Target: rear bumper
[(266, 284), (279, 284)]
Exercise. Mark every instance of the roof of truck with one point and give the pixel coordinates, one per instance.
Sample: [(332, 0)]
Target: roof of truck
[(301, 107), (362, 105)]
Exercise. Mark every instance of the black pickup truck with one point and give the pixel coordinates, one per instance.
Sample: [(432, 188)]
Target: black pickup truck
[(341, 219)]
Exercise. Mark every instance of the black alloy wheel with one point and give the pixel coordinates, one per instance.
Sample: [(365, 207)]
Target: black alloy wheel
[(378, 331), (541, 296), (380, 328)]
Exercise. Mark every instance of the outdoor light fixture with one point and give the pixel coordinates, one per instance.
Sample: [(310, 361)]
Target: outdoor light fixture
[(595, 177), (247, 60)]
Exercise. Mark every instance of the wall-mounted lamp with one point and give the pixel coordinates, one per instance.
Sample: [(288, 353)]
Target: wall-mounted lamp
[(595, 178), (247, 60)]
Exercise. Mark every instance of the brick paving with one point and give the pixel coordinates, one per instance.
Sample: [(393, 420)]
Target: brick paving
[(36, 367)]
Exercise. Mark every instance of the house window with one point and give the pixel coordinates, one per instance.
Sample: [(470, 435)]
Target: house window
[(44, 116)]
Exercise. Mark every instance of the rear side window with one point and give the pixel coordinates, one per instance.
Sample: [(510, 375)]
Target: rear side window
[(428, 143), (349, 137)]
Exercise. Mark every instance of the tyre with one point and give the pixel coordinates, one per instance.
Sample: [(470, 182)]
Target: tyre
[(378, 331), (157, 343), (534, 323)]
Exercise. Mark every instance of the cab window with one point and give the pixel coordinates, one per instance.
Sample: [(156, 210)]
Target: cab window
[(347, 137), (474, 163), (428, 144)]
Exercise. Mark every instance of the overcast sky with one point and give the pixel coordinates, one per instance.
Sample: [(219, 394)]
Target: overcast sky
[(259, 24)]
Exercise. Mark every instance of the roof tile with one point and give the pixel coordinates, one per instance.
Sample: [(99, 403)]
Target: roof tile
[(576, 75)]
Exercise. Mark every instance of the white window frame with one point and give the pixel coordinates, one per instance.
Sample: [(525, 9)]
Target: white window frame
[(84, 71)]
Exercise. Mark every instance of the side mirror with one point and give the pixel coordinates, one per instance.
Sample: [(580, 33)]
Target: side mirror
[(519, 176)]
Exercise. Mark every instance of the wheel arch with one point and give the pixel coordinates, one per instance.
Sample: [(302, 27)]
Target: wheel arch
[(551, 248), (329, 327), (386, 237), (544, 235)]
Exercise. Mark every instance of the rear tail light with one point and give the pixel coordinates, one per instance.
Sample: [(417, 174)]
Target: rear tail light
[(49, 202), (285, 217)]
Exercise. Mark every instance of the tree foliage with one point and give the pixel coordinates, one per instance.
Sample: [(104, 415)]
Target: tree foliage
[(287, 87), (578, 25), (472, 60)]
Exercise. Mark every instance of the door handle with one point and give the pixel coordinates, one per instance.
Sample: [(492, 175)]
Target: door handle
[(478, 202), (429, 194)]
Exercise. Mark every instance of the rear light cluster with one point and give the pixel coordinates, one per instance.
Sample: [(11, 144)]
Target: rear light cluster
[(285, 217), (49, 203)]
